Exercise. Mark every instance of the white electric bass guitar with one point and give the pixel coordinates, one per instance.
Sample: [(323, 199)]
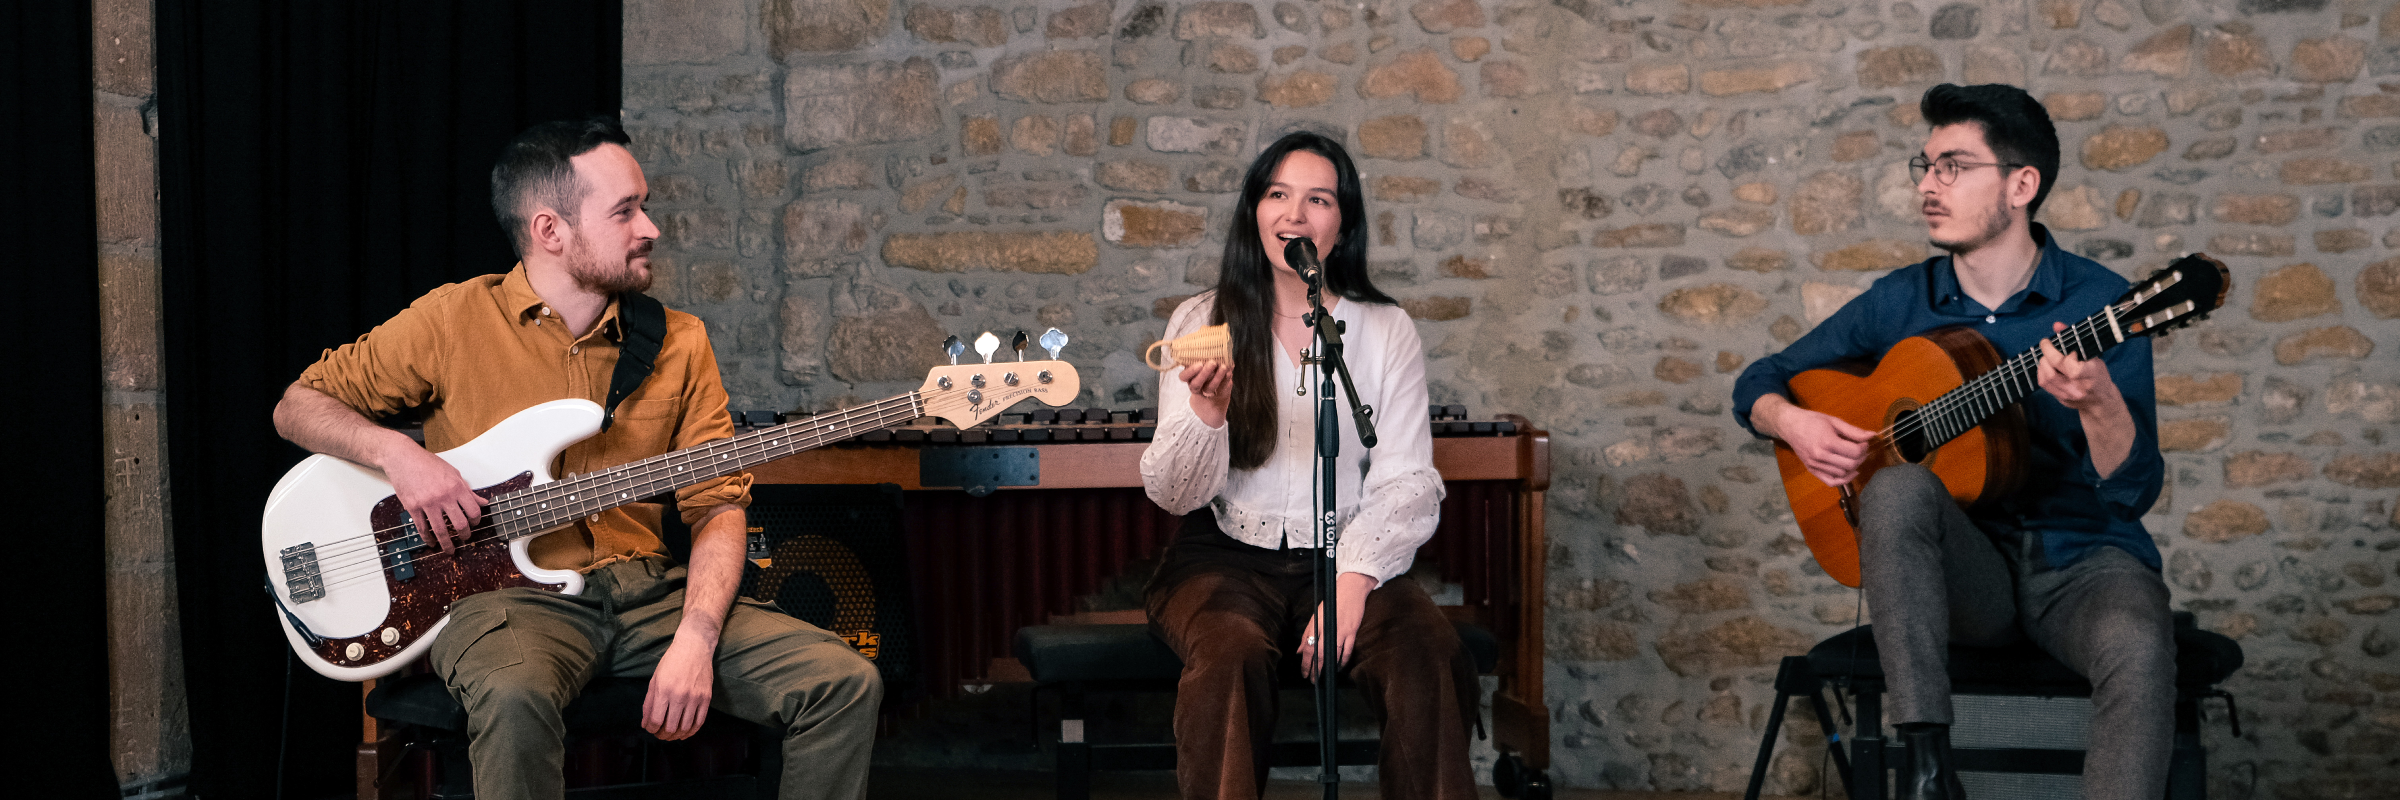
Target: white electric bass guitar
[(360, 592)]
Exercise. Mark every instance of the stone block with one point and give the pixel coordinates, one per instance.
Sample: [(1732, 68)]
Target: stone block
[(1086, 21), (2229, 54), (2200, 435), (2079, 57), (1228, 58), (1217, 19), (1186, 135), (900, 345), (1162, 224), (1466, 146), (845, 104), (1135, 175), (1870, 255), (2251, 244), (2256, 209), (1082, 135), (2295, 292), (2168, 54), (1733, 645), (1056, 252), (1034, 135), (2376, 471), (1716, 305), (1658, 78), (2378, 288), (2320, 171), (2119, 148), (1153, 91), (2338, 341), (980, 26), (821, 26), (2075, 208), (2254, 468), (2290, 139), (1419, 74), (1300, 89), (1887, 67), (1507, 79), (2199, 389), (1737, 221), (979, 136), (2376, 403), (2225, 521), (1404, 189), (2075, 106), (2332, 59), (1437, 309), (1056, 76), (840, 173), (1758, 259), (1668, 234), (1444, 16), (2342, 241), (1994, 64)]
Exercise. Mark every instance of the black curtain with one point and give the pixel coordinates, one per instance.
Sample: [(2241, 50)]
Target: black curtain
[(322, 164), (53, 310)]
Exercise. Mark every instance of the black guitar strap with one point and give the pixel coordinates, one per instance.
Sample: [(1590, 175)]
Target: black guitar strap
[(645, 331)]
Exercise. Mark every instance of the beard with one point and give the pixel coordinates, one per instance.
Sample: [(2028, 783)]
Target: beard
[(605, 275), (1988, 227)]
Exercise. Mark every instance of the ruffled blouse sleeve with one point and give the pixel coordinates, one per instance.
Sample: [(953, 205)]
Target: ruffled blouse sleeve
[(1401, 496), (1185, 465)]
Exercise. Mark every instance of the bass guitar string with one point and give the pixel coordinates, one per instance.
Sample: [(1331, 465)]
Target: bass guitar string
[(646, 470), (509, 502), (371, 566)]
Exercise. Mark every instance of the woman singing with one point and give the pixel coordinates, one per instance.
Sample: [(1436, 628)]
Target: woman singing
[(1235, 454)]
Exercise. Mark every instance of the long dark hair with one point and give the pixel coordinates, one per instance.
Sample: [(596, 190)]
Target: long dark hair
[(1246, 288)]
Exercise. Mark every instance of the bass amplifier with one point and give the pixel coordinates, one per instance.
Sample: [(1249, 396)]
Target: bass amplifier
[(835, 557)]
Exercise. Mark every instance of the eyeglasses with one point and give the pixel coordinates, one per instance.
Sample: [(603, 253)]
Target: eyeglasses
[(1947, 169)]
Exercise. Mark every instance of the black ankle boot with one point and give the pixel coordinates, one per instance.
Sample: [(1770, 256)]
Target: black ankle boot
[(1931, 777)]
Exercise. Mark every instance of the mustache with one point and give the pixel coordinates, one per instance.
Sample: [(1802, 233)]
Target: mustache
[(1930, 206)]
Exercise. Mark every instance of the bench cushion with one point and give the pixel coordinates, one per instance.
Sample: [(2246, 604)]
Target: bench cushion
[(2202, 659), (1129, 652)]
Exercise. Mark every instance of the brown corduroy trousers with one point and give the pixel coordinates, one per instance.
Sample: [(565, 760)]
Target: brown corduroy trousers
[(1232, 612)]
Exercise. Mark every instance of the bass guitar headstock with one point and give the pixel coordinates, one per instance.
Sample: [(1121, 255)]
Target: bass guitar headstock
[(2183, 293), (965, 395)]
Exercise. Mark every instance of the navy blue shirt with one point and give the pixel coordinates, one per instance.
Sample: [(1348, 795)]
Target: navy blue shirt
[(2065, 499)]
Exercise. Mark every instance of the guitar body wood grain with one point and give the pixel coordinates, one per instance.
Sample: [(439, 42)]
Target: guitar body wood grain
[(1985, 462)]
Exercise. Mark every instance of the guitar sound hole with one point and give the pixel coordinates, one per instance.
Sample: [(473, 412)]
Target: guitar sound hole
[(1907, 439)]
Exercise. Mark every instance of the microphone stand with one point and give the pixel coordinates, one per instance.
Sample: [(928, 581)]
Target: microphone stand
[(1329, 445)]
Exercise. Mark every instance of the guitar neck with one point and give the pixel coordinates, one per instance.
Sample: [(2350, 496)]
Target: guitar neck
[(1960, 410), (551, 505)]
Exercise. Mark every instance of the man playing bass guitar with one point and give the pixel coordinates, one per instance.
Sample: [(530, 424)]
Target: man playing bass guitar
[(571, 198), (2065, 561)]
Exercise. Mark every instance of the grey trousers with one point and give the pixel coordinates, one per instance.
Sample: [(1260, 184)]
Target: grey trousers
[(1932, 577), (515, 657)]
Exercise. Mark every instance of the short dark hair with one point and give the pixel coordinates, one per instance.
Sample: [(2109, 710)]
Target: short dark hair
[(2014, 124), (533, 170)]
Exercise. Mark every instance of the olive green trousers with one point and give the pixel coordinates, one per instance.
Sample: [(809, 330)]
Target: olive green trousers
[(515, 657)]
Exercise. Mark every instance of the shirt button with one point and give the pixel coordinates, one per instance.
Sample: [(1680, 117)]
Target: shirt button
[(545, 311), (574, 350), (1991, 318)]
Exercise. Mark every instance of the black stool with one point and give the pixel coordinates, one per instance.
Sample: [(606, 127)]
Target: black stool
[(1076, 659), (603, 733), (1849, 661)]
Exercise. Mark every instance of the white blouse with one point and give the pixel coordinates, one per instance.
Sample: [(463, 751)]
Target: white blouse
[(1388, 499)]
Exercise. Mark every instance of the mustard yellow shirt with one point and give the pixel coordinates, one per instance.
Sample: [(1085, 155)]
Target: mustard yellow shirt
[(479, 351)]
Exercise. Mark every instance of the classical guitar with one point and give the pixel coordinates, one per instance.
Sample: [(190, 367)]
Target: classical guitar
[(1944, 399), (361, 593)]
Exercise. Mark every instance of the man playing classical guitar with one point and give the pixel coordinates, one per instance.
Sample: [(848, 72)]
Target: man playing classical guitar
[(2064, 562), (571, 197)]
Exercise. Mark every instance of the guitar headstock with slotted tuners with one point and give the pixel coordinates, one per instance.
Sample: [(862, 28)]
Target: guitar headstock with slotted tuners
[(2181, 294), (967, 394)]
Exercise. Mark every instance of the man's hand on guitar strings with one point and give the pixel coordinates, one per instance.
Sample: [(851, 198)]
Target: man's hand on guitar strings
[(1830, 448), (2078, 383), (433, 494)]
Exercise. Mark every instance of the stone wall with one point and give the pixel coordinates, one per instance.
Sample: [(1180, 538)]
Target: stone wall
[(1599, 212), (150, 742)]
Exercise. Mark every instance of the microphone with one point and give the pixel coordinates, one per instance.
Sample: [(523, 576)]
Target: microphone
[(1301, 255)]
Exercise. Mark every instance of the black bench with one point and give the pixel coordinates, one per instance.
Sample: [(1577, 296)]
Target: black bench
[(1075, 659)]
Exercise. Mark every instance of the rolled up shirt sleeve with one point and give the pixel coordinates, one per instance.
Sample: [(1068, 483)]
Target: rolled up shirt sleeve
[(705, 419), (2134, 486), (391, 368)]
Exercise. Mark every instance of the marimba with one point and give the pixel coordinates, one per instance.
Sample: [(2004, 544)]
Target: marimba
[(1009, 523)]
